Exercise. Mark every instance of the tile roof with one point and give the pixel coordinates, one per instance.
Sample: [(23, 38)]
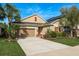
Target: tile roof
[(54, 18)]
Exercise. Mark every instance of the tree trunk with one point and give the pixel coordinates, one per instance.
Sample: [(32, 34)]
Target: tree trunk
[(76, 31), (9, 32), (71, 34), (9, 38)]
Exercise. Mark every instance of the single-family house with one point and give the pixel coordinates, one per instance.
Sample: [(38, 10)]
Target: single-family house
[(33, 25)]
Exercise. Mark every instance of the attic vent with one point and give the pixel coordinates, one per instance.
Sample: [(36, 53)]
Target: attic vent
[(35, 18)]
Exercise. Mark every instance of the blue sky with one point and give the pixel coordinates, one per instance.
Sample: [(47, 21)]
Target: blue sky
[(46, 10)]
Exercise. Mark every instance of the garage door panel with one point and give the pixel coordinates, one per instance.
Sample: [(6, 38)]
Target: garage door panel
[(27, 32), (31, 32)]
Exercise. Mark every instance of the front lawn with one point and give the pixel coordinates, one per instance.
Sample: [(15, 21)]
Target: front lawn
[(67, 41), (10, 48)]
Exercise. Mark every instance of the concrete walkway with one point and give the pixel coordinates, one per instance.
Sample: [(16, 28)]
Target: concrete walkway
[(37, 46)]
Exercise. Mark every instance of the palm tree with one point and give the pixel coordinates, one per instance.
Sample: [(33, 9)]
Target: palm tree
[(17, 18), (2, 13), (2, 16), (12, 14)]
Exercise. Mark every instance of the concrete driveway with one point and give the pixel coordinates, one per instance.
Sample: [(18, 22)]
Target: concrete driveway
[(70, 51), (35, 45)]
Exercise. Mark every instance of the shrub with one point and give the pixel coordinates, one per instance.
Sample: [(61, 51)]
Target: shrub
[(53, 34), (60, 34), (50, 34)]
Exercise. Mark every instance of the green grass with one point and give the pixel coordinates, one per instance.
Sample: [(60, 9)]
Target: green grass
[(10, 48), (67, 41)]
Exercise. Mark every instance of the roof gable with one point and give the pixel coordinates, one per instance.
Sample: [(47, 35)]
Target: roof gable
[(34, 19)]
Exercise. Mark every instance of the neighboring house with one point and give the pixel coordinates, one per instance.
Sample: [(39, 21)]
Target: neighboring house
[(57, 27), (55, 22)]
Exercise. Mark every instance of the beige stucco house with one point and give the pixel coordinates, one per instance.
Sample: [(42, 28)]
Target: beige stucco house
[(35, 25)]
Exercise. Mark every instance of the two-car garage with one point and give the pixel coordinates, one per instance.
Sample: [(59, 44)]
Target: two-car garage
[(24, 32)]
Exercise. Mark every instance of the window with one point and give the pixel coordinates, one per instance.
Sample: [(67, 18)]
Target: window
[(35, 18)]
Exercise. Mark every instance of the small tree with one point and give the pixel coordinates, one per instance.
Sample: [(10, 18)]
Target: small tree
[(71, 16)]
